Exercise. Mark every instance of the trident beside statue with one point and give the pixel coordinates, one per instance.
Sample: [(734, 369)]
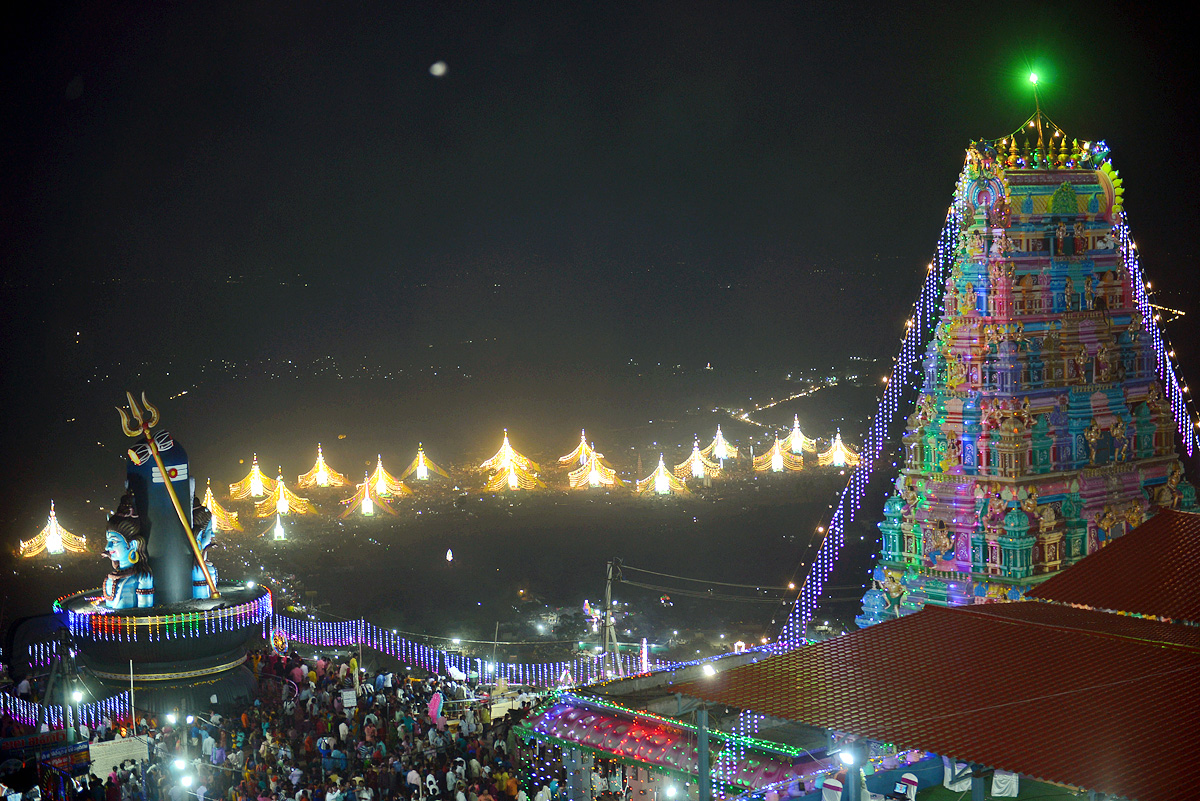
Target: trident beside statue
[(143, 429)]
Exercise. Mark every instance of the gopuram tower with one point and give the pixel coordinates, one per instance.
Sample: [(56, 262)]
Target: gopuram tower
[(1042, 429)]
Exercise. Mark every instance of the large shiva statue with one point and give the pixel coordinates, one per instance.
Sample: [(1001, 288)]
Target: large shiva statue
[(155, 543)]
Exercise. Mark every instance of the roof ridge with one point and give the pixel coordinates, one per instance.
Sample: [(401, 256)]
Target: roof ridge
[(1151, 641)]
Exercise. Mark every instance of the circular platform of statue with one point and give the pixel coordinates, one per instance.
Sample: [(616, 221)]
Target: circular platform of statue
[(188, 640)]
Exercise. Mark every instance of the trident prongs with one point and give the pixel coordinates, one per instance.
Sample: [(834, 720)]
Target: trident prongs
[(152, 411), (142, 425)]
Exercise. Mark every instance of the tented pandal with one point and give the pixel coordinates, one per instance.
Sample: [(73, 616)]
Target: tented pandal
[(778, 459), (506, 456), (661, 482), (696, 465), (583, 451), (421, 467), (283, 501), (796, 442), (222, 518), (719, 448), (513, 477), (366, 501), (838, 454), (254, 485), (321, 475), (594, 473), (384, 484), (54, 539)]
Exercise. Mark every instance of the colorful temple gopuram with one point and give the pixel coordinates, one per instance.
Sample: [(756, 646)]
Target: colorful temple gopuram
[(1042, 430)]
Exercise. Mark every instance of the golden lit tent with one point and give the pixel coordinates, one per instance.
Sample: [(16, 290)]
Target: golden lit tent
[(222, 518), (283, 501), (321, 475), (384, 484), (421, 467), (513, 477), (583, 451), (594, 473), (254, 485), (511, 470), (365, 501), (661, 482), (778, 459), (838, 454), (696, 465), (719, 450), (507, 456), (54, 539), (796, 442)]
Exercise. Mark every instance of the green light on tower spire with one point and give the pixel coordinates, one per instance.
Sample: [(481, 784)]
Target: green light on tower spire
[(1033, 78)]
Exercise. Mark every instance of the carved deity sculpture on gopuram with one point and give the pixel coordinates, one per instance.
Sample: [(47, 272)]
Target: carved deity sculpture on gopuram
[(1048, 409)]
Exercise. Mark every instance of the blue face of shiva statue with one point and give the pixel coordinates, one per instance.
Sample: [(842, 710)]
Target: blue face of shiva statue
[(124, 554)]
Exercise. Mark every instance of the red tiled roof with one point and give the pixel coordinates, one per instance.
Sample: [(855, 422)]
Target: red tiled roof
[(1066, 695), (1151, 570)]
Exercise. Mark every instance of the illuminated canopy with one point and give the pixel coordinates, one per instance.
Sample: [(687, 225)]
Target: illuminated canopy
[(421, 467), (283, 501), (321, 475), (661, 482), (838, 454), (719, 449), (254, 485), (583, 451), (796, 442), (384, 484), (696, 465), (513, 478), (366, 501), (594, 473), (506, 457), (778, 459), (222, 518), (54, 539)]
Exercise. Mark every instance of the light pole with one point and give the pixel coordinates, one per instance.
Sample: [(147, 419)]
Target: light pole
[(77, 698), (852, 756)]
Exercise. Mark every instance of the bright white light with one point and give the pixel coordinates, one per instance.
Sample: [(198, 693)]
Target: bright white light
[(449, 555), (256, 487), (322, 476), (172, 719), (381, 487), (671, 791), (54, 543), (281, 505), (77, 696), (512, 480), (708, 670), (279, 533), (250, 584), (777, 461), (437, 69), (594, 476), (179, 763), (186, 781), (368, 506), (847, 757), (190, 719)]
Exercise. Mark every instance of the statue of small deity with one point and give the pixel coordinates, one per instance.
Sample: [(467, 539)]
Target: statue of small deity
[(1134, 514), (202, 530), (1079, 365), (1068, 293), (956, 371), (1106, 520), (966, 301), (975, 247), (951, 304), (1091, 435), (1154, 398), (1103, 363), (1060, 236), (1135, 326), (1107, 242), (130, 585), (1089, 294), (1080, 239), (1025, 414), (1120, 441), (1030, 504)]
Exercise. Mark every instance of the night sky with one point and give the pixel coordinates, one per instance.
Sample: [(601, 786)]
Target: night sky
[(757, 184)]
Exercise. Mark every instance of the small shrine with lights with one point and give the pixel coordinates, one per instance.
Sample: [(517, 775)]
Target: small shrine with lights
[(1042, 430), (510, 470), (661, 482), (697, 465), (321, 475), (53, 539), (421, 467)]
